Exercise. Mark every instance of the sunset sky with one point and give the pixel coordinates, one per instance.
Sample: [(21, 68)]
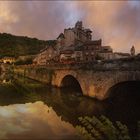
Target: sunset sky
[(117, 23)]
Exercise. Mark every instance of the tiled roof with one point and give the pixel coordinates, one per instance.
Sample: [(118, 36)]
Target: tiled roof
[(123, 54), (61, 36), (93, 42), (48, 48)]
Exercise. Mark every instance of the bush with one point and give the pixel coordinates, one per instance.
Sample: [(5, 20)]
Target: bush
[(91, 128)]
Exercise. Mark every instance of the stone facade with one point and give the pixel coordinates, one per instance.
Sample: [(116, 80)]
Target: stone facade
[(60, 42), (91, 49), (9, 60), (46, 55), (77, 35), (118, 55), (75, 45), (26, 57), (106, 53), (95, 81)]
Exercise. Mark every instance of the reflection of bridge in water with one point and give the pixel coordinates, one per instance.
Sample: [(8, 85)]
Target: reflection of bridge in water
[(95, 79)]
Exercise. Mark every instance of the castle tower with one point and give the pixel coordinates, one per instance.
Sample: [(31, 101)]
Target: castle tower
[(79, 25)]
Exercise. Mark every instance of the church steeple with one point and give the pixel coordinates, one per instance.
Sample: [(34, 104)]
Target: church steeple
[(132, 51)]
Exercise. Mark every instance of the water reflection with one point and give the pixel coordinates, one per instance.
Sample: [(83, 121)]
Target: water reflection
[(33, 120), (29, 109)]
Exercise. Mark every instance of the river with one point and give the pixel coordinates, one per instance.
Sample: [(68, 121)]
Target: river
[(29, 109)]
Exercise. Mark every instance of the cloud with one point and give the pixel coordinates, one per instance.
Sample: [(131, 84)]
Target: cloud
[(117, 23)]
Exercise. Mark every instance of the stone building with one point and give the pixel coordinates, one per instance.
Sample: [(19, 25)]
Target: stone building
[(60, 42), (106, 53), (67, 54), (46, 55), (75, 44), (9, 60), (87, 52), (25, 57), (77, 35), (91, 49), (85, 49), (119, 55)]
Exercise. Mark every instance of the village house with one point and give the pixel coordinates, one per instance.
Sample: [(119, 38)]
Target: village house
[(25, 57), (60, 42), (106, 53), (45, 55), (67, 54), (88, 52), (74, 45), (9, 60), (91, 49), (119, 55)]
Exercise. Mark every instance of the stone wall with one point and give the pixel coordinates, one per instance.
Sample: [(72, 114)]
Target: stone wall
[(95, 81)]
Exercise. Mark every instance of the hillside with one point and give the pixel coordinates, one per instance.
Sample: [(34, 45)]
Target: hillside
[(11, 45)]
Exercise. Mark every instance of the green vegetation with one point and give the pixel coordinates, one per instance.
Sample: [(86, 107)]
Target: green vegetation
[(11, 45), (92, 128)]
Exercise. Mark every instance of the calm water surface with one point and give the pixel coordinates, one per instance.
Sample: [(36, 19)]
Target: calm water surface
[(29, 109)]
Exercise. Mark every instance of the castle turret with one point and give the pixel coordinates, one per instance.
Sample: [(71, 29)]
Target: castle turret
[(79, 25)]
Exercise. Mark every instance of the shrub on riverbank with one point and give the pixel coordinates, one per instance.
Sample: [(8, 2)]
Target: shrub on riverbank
[(92, 128)]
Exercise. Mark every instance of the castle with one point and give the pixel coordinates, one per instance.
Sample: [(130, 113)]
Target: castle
[(75, 45)]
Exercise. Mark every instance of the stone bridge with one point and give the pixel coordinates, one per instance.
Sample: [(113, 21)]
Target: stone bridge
[(95, 79)]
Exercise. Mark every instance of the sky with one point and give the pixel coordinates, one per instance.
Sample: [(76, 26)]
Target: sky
[(115, 22)]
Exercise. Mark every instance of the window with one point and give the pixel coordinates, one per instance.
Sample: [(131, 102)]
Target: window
[(86, 58)]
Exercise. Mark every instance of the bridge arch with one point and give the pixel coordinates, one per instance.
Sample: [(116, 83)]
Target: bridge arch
[(82, 78), (71, 81), (119, 79), (94, 84)]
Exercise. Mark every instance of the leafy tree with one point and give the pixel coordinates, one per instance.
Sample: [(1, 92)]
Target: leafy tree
[(11, 45)]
